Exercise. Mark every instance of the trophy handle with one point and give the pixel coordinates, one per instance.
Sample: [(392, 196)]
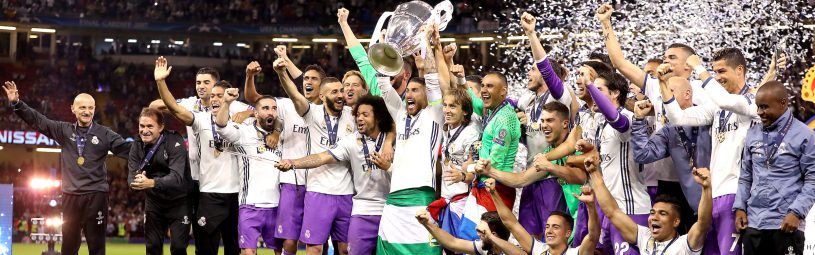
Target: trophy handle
[(442, 14), (378, 28)]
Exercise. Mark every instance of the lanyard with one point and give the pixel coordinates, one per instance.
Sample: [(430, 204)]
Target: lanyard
[(688, 143), (771, 148), (151, 153), (451, 140), (379, 140), (80, 139), (409, 125), (215, 137), (332, 130), (493, 113), (654, 252), (724, 119), (537, 110)]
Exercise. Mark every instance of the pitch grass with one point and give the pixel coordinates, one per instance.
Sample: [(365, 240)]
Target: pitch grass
[(114, 249)]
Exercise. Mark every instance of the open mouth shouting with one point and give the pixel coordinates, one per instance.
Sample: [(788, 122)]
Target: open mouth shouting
[(656, 227), (309, 88), (411, 104)]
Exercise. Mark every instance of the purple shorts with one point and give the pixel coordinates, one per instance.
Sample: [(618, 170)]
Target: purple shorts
[(255, 222), (581, 228), (362, 234), (723, 237), (323, 215), (538, 200), (613, 242), (290, 211)]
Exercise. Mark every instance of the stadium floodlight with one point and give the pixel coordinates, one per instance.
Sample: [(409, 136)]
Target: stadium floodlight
[(517, 37), (301, 47), (465, 46), (364, 40), (240, 45), (52, 150), (324, 40), (33, 36), (482, 39), (1, 148), (43, 30), (53, 222), (132, 40), (108, 39), (38, 183), (447, 39), (282, 39), (9, 28), (179, 42), (218, 44), (155, 41)]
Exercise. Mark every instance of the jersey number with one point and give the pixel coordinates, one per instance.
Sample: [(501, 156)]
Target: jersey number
[(736, 237), (620, 248)]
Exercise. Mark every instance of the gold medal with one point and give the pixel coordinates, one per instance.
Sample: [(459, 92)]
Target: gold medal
[(720, 137), (663, 119), (80, 160), (536, 125), (690, 163), (216, 153)]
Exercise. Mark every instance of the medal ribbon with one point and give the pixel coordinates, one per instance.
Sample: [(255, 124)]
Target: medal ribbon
[(151, 153)]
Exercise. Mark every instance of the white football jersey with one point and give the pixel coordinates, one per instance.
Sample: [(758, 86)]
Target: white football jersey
[(371, 184), (456, 153), (218, 170), (332, 179), (620, 172), (293, 140), (532, 106), (259, 179)]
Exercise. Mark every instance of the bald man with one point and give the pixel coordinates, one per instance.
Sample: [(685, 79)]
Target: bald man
[(687, 146), (777, 182), (85, 146)]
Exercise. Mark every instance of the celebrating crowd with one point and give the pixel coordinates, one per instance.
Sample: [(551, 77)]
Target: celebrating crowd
[(696, 162)]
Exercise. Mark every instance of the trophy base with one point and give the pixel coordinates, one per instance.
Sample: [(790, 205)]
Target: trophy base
[(386, 58)]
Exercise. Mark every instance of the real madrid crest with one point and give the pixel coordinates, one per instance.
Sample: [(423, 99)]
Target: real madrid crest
[(95, 140), (348, 128)]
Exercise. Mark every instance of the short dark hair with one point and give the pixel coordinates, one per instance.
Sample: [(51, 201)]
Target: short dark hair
[(599, 67), (494, 222), (419, 80), (223, 84), (500, 76), (559, 69), (668, 199), (383, 118), (153, 113), (315, 68), (600, 56), (462, 97), (557, 107), (615, 81), (210, 71), (733, 57), (474, 78), (654, 60), (566, 217), (330, 79), (684, 47), (263, 98)]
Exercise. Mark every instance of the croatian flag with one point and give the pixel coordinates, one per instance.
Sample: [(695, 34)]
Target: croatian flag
[(479, 202)]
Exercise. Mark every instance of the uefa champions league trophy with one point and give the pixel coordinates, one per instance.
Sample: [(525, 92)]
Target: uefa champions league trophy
[(402, 37)]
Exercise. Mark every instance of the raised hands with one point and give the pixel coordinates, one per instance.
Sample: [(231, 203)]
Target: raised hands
[(702, 176), (604, 12), (162, 69), (482, 166), (591, 164), (342, 16), (528, 22), (230, 95), (642, 108), (450, 52), (586, 196), (253, 68), (280, 65), (423, 216), (11, 92)]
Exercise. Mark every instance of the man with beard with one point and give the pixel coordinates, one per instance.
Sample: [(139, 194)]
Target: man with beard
[(217, 213), (777, 181), (294, 144), (329, 188), (85, 147), (362, 152), (660, 236), (419, 120), (158, 165), (259, 194)]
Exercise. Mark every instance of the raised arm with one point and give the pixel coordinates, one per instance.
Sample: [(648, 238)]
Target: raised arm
[(593, 237), (281, 52), (551, 79), (516, 180), (647, 148), (358, 53), (228, 132), (39, 122), (300, 102), (778, 63), (250, 92), (614, 117), (161, 72), (693, 116), (508, 218), (118, 146), (737, 103), (624, 224), (631, 71), (698, 232), (441, 64), (446, 240)]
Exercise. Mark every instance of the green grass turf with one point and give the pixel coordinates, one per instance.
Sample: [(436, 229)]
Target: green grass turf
[(112, 249)]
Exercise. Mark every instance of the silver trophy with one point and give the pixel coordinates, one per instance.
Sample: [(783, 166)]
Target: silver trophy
[(402, 37)]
